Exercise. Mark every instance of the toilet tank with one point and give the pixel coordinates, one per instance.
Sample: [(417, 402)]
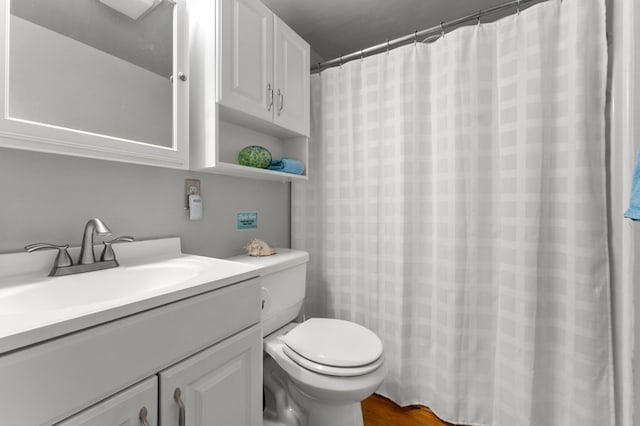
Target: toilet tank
[(283, 278)]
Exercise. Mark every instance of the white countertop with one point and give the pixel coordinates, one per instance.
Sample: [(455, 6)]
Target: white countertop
[(35, 307)]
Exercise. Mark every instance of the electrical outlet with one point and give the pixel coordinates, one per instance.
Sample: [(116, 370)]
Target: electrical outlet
[(191, 186)]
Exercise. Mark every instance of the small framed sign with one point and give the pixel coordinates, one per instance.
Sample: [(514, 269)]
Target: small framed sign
[(247, 220)]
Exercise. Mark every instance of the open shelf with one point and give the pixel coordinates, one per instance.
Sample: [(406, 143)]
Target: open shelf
[(232, 137), (232, 169)]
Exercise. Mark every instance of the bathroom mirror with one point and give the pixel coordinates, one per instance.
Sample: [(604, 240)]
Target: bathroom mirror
[(89, 78)]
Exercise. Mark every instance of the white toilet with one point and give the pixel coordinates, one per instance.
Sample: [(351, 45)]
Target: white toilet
[(315, 373)]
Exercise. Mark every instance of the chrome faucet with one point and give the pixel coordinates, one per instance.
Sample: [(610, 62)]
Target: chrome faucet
[(63, 265), (95, 225)]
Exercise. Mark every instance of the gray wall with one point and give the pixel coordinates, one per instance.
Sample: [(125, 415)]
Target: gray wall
[(49, 198)]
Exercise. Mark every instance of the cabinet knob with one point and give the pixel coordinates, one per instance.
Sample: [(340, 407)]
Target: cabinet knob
[(182, 76), (143, 417), (177, 396)]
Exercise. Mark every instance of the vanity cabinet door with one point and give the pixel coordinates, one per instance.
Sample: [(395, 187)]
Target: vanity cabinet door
[(221, 385), (123, 409), (291, 74), (246, 62)]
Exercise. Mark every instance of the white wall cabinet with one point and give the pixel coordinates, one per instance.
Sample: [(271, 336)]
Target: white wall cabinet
[(66, 96), (291, 78), (246, 59), (249, 86), (264, 66)]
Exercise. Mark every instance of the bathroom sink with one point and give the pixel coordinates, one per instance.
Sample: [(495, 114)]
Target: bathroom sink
[(88, 291), (34, 306)]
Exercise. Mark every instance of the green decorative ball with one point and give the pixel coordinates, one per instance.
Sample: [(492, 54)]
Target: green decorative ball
[(254, 156)]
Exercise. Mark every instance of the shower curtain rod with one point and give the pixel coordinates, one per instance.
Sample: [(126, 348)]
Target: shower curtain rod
[(416, 36)]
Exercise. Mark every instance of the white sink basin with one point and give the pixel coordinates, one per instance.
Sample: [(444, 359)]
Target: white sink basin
[(94, 288), (35, 307)]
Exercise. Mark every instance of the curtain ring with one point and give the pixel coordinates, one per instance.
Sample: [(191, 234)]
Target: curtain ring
[(415, 37), (340, 61), (319, 66), (387, 46), (442, 29), (361, 55), (518, 7)]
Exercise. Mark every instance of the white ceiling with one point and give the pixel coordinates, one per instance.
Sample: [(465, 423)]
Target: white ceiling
[(339, 27)]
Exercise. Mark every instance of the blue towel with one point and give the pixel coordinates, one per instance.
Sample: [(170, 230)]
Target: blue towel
[(634, 205), (287, 165)]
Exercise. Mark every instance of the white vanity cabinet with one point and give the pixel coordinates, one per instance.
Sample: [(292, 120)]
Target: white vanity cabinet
[(250, 80), (208, 345), (130, 407), (222, 383)]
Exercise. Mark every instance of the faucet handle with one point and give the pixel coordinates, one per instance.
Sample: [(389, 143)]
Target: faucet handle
[(107, 252), (62, 259)]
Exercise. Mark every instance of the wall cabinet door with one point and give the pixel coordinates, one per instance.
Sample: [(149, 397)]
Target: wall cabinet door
[(246, 60), (291, 76), (220, 385), (62, 93), (123, 409), (264, 66)]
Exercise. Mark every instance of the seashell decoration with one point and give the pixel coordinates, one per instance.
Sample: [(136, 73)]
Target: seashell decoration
[(257, 247)]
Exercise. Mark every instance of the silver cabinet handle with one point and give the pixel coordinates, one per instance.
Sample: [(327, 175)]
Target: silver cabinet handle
[(269, 97), (182, 76), (182, 412), (62, 259), (143, 417), (281, 100)]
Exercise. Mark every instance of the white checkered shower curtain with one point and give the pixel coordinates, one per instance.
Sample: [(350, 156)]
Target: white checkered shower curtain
[(456, 206)]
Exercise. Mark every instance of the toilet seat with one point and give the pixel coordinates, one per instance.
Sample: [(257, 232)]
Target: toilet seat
[(329, 370), (333, 347), (323, 387)]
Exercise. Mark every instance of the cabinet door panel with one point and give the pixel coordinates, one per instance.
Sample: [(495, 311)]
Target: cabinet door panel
[(291, 79), (60, 95), (246, 59), (122, 409), (220, 385)]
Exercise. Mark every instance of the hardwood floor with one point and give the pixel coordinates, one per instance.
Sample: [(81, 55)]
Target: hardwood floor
[(380, 411)]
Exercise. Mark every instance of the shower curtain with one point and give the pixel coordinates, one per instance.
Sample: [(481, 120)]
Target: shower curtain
[(456, 206)]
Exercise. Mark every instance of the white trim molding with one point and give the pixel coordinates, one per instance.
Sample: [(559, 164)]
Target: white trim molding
[(625, 103)]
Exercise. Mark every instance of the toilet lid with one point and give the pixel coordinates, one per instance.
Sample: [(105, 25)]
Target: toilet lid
[(335, 343)]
